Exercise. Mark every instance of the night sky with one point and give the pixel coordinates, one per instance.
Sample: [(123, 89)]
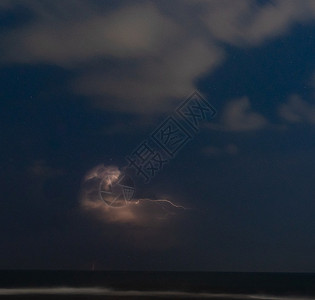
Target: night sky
[(83, 83)]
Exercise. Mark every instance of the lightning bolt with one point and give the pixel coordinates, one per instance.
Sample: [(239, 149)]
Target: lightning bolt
[(167, 201)]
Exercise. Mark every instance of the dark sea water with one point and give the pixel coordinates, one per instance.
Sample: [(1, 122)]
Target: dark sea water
[(154, 285)]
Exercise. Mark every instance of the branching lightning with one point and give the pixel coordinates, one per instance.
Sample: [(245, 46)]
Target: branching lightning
[(109, 194), (166, 201)]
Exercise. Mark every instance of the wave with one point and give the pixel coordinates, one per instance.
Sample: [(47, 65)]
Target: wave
[(98, 291)]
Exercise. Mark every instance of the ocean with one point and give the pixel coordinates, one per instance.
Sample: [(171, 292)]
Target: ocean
[(155, 285)]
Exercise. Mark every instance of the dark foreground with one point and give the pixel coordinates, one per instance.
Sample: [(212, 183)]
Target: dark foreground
[(154, 285)]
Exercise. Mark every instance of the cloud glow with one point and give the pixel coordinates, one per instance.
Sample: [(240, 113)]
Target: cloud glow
[(137, 211)]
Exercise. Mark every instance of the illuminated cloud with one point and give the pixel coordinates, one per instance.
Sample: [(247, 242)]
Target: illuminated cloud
[(138, 212), (238, 116), (140, 223)]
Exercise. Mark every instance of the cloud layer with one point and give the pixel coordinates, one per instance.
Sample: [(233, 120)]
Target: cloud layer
[(156, 51)]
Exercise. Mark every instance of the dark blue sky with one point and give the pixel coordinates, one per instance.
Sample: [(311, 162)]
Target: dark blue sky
[(84, 84)]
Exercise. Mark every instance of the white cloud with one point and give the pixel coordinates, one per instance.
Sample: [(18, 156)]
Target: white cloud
[(297, 110), (132, 31), (158, 60), (245, 22), (238, 116), (157, 83)]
